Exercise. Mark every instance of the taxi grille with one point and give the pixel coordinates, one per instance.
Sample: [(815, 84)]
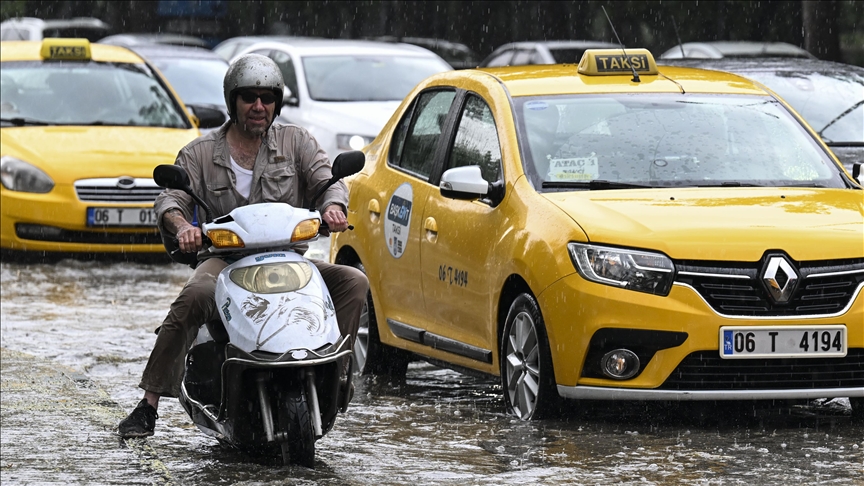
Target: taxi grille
[(54, 234), (706, 370), (117, 190), (825, 288)]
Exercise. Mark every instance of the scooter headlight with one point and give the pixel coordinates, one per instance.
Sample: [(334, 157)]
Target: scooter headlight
[(641, 271), (273, 278)]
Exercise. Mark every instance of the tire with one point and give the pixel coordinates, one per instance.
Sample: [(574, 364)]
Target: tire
[(295, 415), (527, 376), (371, 356)]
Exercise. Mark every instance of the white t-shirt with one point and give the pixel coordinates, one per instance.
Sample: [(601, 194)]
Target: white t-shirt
[(244, 178)]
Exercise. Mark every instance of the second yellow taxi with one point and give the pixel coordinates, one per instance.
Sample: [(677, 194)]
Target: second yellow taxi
[(610, 231), (83, 126)]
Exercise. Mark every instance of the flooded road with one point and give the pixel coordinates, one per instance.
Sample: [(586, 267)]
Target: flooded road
[(95, 322)]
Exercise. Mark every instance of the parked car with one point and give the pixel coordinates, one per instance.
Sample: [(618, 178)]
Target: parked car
[(197, 75), (542, 52), (132, 40), (724, 49), (457, 55), (828, 95), (30, 28), (229, 48), (83, 125), (344, 91), (583, 235)]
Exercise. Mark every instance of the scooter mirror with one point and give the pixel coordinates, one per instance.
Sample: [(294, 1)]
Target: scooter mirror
[(171, 176), (348, 163)]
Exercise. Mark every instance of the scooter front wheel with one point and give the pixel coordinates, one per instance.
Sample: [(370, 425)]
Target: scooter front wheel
[(294, 416)]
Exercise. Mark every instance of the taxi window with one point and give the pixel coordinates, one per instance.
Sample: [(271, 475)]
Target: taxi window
[(425, 123), (85, 93), (664, 140), (476, 140)]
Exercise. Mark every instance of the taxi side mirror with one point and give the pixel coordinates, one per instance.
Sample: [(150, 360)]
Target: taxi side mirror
[(464, 183), (856, 172)]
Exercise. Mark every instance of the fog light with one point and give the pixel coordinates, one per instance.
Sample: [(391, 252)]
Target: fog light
[(620, 364)]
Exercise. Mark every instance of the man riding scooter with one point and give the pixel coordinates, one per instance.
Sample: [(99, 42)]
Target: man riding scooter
[(246, 161)]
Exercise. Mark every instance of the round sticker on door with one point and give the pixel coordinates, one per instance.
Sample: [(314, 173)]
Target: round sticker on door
[(398, 219)]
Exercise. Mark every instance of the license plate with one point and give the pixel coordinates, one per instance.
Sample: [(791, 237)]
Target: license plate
[(783, 342), (121, 217)]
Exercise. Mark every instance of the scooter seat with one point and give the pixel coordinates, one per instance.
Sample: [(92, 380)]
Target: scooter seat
[(218, 332)]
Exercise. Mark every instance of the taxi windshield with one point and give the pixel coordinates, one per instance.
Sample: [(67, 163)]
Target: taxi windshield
[(667, 140), (85, 93), (832, 102)]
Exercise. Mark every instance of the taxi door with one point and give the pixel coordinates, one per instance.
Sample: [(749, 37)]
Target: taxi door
[(401, 197), (458, 243)]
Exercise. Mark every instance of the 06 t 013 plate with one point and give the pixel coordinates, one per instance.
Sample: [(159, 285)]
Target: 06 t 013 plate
[(121, 217), (737, 342)]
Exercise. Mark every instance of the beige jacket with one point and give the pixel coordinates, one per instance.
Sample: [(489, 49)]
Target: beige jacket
[(290, 168)]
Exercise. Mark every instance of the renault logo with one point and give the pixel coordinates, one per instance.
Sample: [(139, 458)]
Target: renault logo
[(780, 278)]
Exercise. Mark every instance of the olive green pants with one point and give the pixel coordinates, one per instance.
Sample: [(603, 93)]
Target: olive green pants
[(196, 305)]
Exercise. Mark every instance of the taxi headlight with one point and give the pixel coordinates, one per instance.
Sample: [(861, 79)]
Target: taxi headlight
[(305, 230), (273, 278), (17, 175), (629, 269)]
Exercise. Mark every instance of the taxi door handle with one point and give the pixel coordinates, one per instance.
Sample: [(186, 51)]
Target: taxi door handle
[(431, 227), (374, 210)]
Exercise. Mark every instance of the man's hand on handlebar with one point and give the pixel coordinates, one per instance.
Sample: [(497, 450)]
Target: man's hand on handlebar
[(189, 238), (335, 220)]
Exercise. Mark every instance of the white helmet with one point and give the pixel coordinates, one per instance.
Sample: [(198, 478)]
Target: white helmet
[(252, 71)]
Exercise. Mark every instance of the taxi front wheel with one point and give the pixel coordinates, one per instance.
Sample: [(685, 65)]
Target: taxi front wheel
[(527, 376), (371, 356)]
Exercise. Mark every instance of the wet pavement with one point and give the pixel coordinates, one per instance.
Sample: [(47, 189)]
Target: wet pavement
[(74, 338)]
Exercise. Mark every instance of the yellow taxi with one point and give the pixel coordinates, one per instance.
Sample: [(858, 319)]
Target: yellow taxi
[(610, 231), (82, 128)]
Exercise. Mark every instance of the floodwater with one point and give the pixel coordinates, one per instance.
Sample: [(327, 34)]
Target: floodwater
[(437, 427)]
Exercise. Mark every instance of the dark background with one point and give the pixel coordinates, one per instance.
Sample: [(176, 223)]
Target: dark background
[(830, 29)]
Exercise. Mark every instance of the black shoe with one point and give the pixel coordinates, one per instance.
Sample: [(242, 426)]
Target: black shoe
[(139, 423)]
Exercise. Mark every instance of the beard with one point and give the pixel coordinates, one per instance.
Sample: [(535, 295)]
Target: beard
[(255, 131)]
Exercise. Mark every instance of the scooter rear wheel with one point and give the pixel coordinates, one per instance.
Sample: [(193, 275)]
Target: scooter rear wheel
[(294, 414)]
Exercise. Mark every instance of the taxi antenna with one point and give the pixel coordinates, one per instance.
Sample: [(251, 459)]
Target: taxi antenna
[(680, 45), (635, 74)]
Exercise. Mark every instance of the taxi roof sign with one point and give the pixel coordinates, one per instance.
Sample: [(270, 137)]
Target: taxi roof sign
[(61, 49), (615, 62)]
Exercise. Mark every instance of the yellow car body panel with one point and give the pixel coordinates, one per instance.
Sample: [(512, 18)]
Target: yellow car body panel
[(70, 153), (522, 241)]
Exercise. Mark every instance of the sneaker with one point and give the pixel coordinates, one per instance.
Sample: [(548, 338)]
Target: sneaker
[(139, 423)]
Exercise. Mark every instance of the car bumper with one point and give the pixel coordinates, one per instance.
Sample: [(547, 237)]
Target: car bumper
[(57, 222), (696, 353)]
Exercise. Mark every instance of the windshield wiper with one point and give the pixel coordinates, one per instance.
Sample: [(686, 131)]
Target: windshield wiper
[(22, 121), (730, 184), (594, 185), (841, 115)]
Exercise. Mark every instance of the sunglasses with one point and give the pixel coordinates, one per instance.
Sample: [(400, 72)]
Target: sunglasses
[(250, 97)]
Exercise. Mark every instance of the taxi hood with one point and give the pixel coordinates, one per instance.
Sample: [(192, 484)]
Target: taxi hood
[(69, 153), (723, 224)]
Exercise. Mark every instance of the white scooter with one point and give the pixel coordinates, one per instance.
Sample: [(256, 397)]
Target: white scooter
[(272, 375)]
